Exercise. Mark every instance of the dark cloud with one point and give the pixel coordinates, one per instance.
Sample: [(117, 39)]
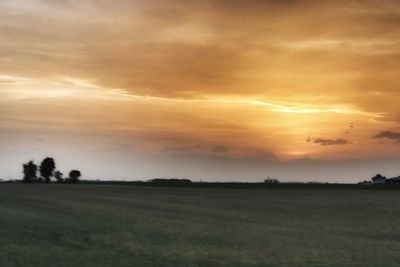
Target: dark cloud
[(388, 135), (330, 142)]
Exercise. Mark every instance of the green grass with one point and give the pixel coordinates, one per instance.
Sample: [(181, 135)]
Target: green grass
[(105, 225)]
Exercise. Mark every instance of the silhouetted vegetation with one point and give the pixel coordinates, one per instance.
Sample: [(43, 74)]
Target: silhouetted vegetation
[(58, 176), (74, 176), (47, 168), (30, 172), (271, 181)]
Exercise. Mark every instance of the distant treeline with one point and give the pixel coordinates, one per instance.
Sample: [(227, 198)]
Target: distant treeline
[(185, 183), (46, 172)]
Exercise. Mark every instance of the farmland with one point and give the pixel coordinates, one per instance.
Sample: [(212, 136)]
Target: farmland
[(120, 225)]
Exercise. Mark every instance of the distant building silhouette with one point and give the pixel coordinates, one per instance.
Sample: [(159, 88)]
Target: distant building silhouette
[(394, 180), (379, 179)]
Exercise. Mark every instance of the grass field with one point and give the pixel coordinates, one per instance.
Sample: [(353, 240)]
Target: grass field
[(106, 225)]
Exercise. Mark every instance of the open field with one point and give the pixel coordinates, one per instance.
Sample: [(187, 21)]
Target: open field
[(109, 225)]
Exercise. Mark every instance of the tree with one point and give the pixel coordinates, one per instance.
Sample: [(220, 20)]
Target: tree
[(59, 176), (47, 168), (74, 176), (271, 181), (30, 171)]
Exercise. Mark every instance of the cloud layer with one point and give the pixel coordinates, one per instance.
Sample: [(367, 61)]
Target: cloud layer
[(197, 77), (330, 142), (388, 135)]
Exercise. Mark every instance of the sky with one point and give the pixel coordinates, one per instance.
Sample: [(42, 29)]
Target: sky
[(217, 90)]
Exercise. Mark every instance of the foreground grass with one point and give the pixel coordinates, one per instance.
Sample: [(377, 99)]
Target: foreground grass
[(104, 225)]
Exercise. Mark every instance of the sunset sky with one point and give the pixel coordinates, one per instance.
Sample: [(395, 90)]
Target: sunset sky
[(227, 90)]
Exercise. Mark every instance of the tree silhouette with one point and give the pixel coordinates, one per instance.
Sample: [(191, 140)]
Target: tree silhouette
[(30, 170), (59, 176), (47, 168), (74, 176), (271, 181)]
